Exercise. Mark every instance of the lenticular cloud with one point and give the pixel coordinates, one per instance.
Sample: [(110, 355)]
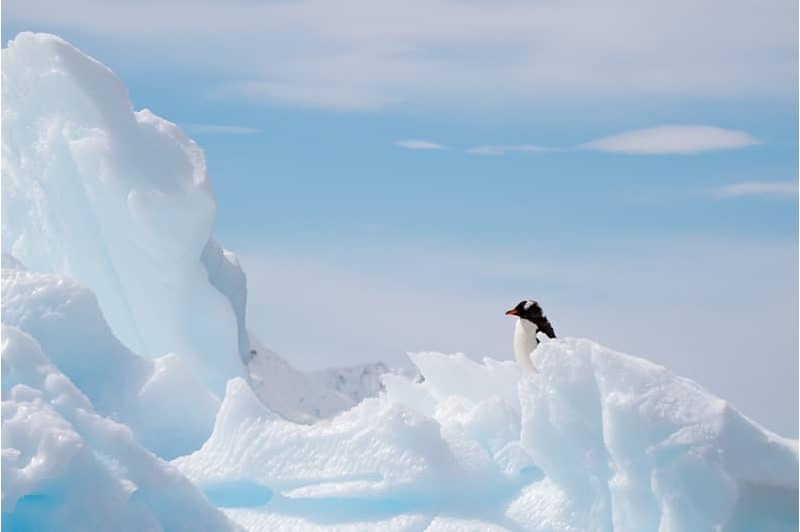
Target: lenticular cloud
[(682, 140)]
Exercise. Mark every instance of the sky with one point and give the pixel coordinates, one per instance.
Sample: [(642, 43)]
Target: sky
[(394, 176)]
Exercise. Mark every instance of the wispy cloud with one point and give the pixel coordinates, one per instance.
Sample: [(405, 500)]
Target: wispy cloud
[(338, 95), (362, 54), (659, 140), (681, 140), (776, 189), (218, 129), (416, 144), (502, 150)]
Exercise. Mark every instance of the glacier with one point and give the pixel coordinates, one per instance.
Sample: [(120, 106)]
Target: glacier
[(134, 397)]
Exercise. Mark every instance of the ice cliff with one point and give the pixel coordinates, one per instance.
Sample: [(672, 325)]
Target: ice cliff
[(118, 199), (134, 398)]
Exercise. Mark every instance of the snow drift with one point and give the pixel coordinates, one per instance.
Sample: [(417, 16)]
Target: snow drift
[(124, 344)]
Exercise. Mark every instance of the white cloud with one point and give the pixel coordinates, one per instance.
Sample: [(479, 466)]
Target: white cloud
[(502, 150), (372, 54), (782, 189), (338, 96), (218, 129), (683, 140), (419, 145)]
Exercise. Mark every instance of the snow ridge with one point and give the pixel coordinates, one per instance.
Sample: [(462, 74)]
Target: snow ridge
[(305, 397)]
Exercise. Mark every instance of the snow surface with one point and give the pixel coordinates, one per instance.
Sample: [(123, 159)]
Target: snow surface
[(124, 343), (598, 441), (153, 397), (64, 467)]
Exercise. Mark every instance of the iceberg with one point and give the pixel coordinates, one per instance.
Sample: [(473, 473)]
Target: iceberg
[(598, 440), (135, 398)]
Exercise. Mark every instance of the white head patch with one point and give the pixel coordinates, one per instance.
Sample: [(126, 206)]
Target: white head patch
[(528, 305)]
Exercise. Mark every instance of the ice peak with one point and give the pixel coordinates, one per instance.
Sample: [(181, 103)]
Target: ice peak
[(119, 200)]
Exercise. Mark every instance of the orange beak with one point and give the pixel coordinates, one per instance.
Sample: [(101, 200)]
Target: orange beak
[(512, 312)]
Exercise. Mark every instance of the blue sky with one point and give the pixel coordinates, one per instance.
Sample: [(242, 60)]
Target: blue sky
[(360, 245)]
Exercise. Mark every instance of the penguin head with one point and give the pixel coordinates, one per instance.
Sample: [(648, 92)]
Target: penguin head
[(527, 309)]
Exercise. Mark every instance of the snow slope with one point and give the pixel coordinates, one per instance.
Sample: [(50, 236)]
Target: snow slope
[(124, 343), (304, 397)]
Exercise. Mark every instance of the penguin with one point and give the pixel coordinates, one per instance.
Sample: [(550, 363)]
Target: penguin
[(530, 320)]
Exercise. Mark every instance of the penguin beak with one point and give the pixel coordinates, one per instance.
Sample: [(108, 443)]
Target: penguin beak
[(512, 312)]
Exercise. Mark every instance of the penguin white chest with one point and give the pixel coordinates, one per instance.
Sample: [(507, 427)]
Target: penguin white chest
[(524, 343)]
